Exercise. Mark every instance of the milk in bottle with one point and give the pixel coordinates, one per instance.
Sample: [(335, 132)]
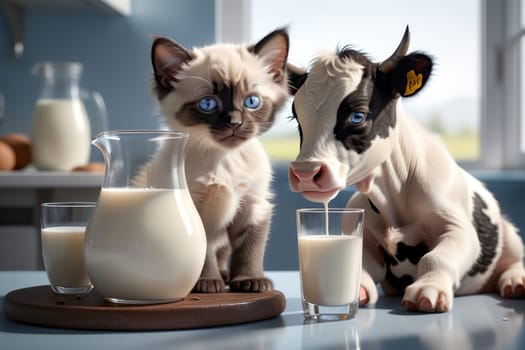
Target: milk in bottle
[(61, 129), (61, 134)]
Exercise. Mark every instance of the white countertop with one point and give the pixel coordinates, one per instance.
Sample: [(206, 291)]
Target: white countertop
[(476, 322), (31, 178)]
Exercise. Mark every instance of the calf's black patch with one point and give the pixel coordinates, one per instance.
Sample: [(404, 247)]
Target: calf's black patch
[(487, 234), (403, 252), (412, 253), (372, 97), (398, 283)]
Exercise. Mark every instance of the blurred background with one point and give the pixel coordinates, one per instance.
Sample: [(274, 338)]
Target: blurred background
[(114, 48), (475, 99), (113, 45)]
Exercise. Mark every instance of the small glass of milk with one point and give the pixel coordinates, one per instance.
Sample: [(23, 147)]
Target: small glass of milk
[(63, 226), (330, 257)]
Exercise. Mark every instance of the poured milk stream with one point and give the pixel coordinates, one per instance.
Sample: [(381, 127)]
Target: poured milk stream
[(145, 244), (326, 219)]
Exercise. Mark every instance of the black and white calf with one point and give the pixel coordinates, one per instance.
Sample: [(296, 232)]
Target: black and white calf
[(432, 230)]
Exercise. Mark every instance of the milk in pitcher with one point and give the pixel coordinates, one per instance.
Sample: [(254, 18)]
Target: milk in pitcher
[(145, 249)]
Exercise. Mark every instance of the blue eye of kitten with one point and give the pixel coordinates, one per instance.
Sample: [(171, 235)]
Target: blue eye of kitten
[(208, 104), (252, 101), (357, 118)]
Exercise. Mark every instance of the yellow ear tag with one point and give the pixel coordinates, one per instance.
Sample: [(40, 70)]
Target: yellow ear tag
[(414, 83)]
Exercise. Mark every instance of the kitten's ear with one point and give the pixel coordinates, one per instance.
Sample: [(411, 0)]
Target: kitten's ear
[(273, 49), (167, 58), (296, 77)]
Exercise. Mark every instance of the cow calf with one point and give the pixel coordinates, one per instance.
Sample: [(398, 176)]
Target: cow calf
[(431, 230)]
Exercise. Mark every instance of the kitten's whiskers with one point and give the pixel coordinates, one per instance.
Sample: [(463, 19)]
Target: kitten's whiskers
[(203, 87)]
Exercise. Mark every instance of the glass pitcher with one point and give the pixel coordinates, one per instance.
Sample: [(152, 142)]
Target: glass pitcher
[(145, 242), (65, 116)]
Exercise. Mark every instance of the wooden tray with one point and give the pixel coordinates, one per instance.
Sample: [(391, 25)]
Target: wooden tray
[(41, 306)]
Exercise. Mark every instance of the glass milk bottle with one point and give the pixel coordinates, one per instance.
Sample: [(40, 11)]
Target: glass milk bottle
[(145, 242), (61, 129)]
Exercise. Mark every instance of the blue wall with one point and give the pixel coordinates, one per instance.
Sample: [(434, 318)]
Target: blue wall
[(115, 51)]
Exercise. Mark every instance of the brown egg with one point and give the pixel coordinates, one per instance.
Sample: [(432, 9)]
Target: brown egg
[(21, 145), (91, 167), (7, 157)]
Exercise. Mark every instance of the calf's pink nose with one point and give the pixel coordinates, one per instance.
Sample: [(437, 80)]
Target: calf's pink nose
[(303, 176), (314, 180), (305, 171)]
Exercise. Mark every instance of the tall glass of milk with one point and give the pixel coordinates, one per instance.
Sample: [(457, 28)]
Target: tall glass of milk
[(330, 245), (63, 226), (145, 243)]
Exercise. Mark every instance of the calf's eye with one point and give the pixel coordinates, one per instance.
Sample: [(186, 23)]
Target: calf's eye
[(208, 104), (357, 118)]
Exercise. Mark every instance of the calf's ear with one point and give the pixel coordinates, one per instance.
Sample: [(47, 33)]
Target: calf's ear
[(296, 77), (411, 74)]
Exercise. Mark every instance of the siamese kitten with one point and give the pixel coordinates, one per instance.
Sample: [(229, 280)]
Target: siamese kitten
[(224, 96)]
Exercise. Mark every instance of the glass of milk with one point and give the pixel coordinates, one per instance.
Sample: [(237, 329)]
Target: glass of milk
[(330, 256), (63, 226)]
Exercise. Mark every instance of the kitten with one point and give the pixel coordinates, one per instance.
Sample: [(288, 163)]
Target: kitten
[(224, 96)]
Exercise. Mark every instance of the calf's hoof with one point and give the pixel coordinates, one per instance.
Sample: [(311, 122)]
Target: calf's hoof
[(428, 295), (512, 283), (363, 296)]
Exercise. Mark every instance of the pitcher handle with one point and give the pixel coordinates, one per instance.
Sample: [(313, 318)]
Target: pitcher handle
[(93, 100)]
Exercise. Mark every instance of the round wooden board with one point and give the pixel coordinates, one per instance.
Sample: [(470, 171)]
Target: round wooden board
[(41, 306)]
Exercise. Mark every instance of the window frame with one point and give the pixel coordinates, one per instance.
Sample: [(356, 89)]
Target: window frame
[(232, 20), (501, 126), (501, 137)]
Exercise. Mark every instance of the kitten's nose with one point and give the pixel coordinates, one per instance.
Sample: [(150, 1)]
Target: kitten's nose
[(235, 125), (236, 119)]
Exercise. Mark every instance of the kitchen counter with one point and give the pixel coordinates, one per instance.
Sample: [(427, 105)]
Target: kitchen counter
[(21, 193), (476, 322), (49, 179)]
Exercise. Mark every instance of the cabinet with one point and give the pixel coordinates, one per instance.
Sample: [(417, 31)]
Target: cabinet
[(21, 194), (15, 11)]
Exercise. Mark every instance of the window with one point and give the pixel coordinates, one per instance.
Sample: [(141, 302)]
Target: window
[(475, 98), (521, 58), (521, 34), (522, 78), (503, 125)]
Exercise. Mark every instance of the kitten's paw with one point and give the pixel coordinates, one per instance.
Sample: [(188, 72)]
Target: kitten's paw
[(251, 285), (511, 283), (428, 295), (209, 285), (225, 274)]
